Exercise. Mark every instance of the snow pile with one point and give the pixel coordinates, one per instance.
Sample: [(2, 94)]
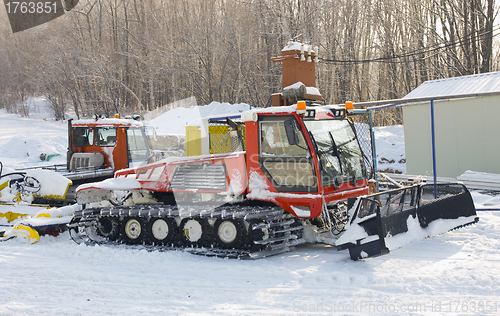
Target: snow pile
[(24, 140), (390, 146), (52, 184), (291, 45), (486, 200), (174, 122)]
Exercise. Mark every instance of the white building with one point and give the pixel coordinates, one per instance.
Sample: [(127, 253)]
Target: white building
[(467, 130)]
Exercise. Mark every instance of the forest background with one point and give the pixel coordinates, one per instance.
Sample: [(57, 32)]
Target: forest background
[(132, 56)]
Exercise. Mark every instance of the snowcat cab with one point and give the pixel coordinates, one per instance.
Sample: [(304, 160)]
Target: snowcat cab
[(103, 146), (308, 161)]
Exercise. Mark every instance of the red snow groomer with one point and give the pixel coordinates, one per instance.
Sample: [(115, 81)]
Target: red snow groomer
[(259, 183)]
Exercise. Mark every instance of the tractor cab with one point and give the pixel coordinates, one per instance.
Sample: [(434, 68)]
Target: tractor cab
[(111, 144)]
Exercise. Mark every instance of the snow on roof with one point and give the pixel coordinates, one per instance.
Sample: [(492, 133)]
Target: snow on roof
[(107, 121), (296, 46), (309, 90), (294, 86), (290, 109), (482, 83), (313, 91)]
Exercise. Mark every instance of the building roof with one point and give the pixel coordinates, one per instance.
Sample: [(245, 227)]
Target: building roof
[(482, 83)]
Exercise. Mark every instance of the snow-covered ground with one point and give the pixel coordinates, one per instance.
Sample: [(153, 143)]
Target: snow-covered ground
[(23, 140), (454, 273)]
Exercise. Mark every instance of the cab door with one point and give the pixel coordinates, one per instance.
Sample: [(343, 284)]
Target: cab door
[(138, 152), (284, 155)]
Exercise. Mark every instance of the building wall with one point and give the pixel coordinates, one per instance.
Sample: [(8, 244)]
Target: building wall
[(467, 136)]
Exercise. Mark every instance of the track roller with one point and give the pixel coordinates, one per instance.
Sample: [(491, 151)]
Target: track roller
[(133, 230), (228, 233), (195, 232), (162, 231)]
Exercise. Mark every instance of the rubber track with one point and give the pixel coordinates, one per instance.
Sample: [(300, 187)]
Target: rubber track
[(271, 230)]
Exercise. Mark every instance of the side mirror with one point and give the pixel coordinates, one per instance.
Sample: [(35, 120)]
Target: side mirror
[(291, 132)]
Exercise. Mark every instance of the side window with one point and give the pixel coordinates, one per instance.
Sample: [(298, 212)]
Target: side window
[(275, 141), (136, 142), (289, 167), (105, 136), (83, 136)]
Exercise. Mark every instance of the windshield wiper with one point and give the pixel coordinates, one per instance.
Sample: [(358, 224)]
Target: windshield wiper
[(348, 141), (334, 146)]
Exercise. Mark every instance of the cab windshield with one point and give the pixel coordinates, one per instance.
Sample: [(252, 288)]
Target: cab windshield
[(339, 156)]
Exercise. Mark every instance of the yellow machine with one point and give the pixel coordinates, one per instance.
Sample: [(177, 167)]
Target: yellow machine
[(21, 231), (20, 216)]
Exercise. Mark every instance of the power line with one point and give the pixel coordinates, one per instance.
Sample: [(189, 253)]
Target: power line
[(392, 59)]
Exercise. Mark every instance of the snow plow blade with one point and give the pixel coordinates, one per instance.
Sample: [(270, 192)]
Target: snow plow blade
[(389, 220)]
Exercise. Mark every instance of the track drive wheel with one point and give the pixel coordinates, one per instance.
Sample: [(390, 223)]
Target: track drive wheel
[(108, 227), (228, 233), (195, 232), (133, 230), (161, 230)]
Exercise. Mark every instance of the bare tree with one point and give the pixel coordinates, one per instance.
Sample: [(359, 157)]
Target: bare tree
[(126, 56)]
